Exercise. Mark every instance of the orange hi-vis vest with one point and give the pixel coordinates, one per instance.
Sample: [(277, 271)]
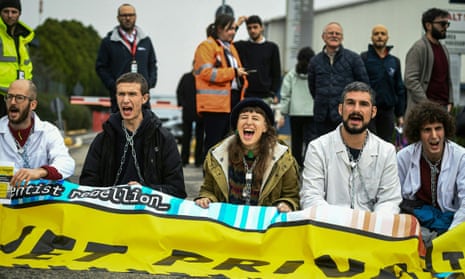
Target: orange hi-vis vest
[(213, 77)]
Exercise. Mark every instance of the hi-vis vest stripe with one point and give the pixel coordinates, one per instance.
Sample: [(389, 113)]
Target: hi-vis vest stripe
[(53, 224)]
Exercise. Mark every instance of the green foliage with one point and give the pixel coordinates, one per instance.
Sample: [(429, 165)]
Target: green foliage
[(74, 116), (66, 55)]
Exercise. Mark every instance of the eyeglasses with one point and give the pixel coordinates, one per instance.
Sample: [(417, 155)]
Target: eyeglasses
[(127, 15), (333, 33), (18, 98), (443, 23)]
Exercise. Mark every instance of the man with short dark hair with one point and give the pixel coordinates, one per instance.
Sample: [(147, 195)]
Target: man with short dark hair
[(126, 49), (261, 59), (432, 171), (14, 39), (427, 74), (36, 147), (350, 166), (134, 148)]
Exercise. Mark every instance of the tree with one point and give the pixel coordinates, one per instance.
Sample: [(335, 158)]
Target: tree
[(65, 56)]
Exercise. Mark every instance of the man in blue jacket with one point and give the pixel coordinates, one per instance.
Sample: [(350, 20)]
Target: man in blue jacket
[(126, 49), (329, 72), (386, 79)]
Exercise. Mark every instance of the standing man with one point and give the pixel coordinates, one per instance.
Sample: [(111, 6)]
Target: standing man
[(432, 171), (261, 59), (36, 147), (126, 49), (386, 80), (186, 99), (329, 72), (350, 166), (134, 148), (427, 74), (14, 55)]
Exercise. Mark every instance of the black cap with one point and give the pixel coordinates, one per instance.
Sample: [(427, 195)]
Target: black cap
[(10, 4), (251, 102)]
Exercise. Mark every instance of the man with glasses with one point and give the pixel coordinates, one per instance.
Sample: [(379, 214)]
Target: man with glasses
[(329, 71), (36, 147), (260, 58), (14, 56), (427, 74), (126, 49), (350, 166)]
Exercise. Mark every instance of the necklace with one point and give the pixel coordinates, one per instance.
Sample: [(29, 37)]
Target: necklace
[(354, 161), (435, 169), (19, 147), (247, 191)]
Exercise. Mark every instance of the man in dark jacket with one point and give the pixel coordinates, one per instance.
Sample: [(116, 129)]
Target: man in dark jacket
[(386, 79), (329, 72), (126, 49), (134, 148)]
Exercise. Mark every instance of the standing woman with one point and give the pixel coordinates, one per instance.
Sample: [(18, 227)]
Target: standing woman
[(219, 79), (297, 102), (251, 166)]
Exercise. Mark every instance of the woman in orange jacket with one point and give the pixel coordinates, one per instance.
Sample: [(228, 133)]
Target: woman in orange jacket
[(220, 79)]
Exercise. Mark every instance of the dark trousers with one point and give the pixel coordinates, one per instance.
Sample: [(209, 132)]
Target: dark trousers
[(2, 106), (383, 124), (325, 127), (186, 140), (302, 132), (216, 128)]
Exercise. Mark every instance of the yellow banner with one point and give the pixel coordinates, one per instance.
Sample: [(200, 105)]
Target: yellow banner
[(136, 229)]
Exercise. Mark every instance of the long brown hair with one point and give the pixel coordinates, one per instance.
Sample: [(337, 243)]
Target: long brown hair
[(264, 153)]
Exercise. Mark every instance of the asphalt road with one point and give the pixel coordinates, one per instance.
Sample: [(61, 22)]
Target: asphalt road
[(193, 179)]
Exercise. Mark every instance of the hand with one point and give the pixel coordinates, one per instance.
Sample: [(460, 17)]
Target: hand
[(283, 207), (203, 202), (240, 20), (26, 175), (241, 72), (132, 183), (280, 122)]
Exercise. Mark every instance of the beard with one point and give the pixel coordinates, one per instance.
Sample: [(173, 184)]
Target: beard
[(23, 115), (354, 130), (437, 34)]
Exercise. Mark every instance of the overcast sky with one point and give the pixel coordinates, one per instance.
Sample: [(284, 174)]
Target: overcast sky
[(176, 27)]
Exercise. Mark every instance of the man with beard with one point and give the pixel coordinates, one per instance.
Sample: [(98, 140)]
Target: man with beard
[(36, 147), (385, 77), (427, 74), (133, 147), (126, 49), (350, 166)]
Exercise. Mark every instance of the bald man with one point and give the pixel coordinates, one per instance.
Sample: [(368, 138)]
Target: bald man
[(35, 147), (383, 70)]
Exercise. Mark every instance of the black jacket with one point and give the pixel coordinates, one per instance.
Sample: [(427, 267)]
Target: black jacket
[(156, 152)]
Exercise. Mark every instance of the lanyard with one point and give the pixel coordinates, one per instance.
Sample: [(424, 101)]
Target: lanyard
[(132, 46)]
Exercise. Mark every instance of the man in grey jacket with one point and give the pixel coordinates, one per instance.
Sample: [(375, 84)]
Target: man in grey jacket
[(350, 166), (427, 74)]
